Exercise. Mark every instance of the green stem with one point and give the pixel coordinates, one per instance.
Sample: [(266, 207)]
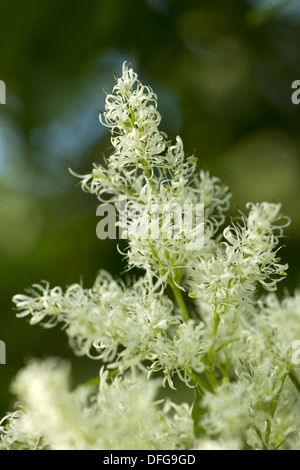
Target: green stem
[(264, 447), (223, 370), (210, 375), (144, 163), (216, 323), (201, 383), (272, 409), (295, 380), (148, 175), (96, 380), (176, 291), (223, 346), (178, 295), (211, 356)]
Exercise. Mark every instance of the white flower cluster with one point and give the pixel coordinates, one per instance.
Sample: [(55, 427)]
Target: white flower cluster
[(150, 171), (227, 276), (260, 407), (131, 115), (109, 315), (120, 413), (218, 332)]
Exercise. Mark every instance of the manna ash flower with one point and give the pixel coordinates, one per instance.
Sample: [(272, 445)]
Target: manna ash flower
[(207, 315)]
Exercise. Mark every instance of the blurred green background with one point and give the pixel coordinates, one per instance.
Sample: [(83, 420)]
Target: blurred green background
[(223, 72)]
